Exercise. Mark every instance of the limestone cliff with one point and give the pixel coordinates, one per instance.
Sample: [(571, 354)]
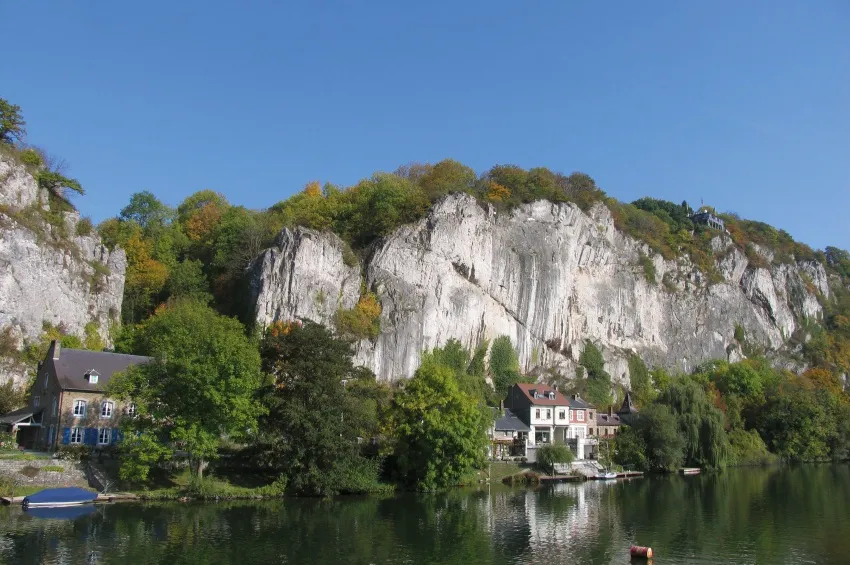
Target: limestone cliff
[(48, 273), (549, 276)]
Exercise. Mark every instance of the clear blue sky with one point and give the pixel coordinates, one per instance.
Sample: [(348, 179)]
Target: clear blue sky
[(743, 104)]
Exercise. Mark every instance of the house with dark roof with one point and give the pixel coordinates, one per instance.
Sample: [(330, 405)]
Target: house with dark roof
[(552, 417), (608, 425), (67, 403), (508, 435)]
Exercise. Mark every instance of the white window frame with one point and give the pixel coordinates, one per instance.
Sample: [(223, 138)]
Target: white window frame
[(55, 406), (80, 402), (537, 413), (562, 414), (580, 415), (100, 433), (548, 413), (78, 434), (570, 414), (131, 410), (36, 401), (46, 376), (107, 408)]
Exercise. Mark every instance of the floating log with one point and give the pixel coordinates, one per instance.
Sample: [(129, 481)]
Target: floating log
[(640, 551)]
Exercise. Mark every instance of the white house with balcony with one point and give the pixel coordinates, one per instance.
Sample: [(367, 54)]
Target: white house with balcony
[(552, 417)]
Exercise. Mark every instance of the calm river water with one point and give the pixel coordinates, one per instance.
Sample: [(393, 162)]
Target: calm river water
[(776, 516)]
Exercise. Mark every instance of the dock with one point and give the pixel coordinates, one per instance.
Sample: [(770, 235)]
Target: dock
[(690, 470), (561, 478), (623, 475)]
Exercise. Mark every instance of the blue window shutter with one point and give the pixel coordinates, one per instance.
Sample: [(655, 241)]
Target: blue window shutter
[(114, 439), (66, 436), (91, 436)]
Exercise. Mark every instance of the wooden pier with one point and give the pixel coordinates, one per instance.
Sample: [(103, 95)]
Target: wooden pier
[(561, 478)]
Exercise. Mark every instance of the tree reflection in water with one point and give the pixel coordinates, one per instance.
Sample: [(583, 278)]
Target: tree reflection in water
[(787, 515)]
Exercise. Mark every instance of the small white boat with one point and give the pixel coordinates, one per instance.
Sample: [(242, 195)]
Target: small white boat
[(58, 497), (607, 475)]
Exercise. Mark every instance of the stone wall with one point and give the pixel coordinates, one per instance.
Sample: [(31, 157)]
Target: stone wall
[(22, 472)]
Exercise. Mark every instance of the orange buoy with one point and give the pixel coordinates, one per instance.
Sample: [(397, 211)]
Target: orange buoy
[(641, 551)]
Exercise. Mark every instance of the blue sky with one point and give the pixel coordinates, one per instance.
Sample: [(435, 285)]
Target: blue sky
[(745, 105)]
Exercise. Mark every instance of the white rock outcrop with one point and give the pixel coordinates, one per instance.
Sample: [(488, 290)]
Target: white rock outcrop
[(70, 281), (549, 276)]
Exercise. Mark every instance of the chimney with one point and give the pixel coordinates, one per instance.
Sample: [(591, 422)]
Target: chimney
[(555, 387), (610, 410), (502, 406), (575, 397), (55, 350)]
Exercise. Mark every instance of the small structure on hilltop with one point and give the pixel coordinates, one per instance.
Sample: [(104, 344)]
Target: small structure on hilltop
[(706, 217)]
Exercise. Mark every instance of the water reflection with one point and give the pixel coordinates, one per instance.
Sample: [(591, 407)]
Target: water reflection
[(790, 515)]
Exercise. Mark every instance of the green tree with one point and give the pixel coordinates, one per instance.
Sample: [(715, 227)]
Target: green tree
[(639, 380), (504, 365), (469, 376), (797, 422), (554, 453), (630, 448), (700, 423), (313, 422), (437, 433), (659, 431), (147, 210), (447, 176), (12, 124), (598, 380), (201, 384), (187, 280)]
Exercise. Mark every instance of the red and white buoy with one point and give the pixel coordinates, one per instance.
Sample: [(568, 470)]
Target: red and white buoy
[(641, 551)]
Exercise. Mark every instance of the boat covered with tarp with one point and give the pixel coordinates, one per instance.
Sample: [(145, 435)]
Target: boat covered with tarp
[(54, 497)]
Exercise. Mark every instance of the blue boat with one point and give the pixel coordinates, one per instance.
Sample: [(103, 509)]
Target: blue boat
[(54, 497)]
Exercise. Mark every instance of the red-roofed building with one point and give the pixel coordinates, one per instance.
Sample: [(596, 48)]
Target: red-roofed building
[(551, 416)]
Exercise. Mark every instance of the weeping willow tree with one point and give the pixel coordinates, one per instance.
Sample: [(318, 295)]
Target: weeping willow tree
[(700, 423)]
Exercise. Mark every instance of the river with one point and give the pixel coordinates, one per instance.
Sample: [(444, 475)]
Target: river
[(783, 515)]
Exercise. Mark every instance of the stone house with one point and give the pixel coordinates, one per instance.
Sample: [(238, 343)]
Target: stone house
[(67, 404)]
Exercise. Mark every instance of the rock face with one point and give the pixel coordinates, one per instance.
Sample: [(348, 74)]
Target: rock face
[(549, 276), (72, 281)]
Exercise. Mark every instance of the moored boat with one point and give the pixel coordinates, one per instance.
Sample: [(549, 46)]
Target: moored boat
[(607, 475), (56, 497)]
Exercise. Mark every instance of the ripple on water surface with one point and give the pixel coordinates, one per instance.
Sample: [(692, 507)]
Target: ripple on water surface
[(743, 516)]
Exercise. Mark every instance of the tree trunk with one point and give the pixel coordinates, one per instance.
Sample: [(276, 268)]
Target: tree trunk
[(201, 465)]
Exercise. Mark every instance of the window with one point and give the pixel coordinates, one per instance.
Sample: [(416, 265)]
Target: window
[(79, 408), (580, 415), (131, 409), (44, 382), (76, 435), (537, 413), (571, 414), (548, 413), (562, 414), (591, 431), (36, 400), (106, 409), (55, 406), (92, 376), (104, 436)]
